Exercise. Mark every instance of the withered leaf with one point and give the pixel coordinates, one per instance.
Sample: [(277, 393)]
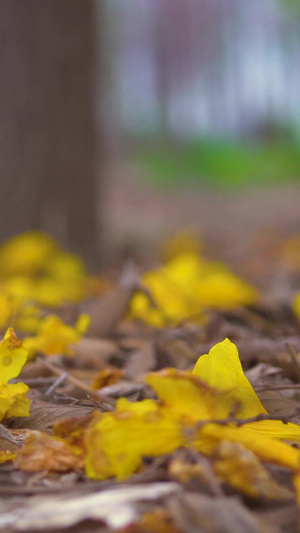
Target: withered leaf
[(107, 311), (194, 512), (116, 507), (141, 361), (7, 441), (43, 453), (43, 415)]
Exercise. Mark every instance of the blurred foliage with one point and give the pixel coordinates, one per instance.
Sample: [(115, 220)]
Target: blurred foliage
[(292, 7), (223, 163)]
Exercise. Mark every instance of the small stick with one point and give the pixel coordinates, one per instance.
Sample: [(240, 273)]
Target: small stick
[(80, 384), (242, 421), (59, 380)]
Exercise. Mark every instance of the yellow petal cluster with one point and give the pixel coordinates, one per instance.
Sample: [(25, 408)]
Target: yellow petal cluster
[(55, 337), (13, 356), (190, 412), (35, 271), (184, 287)]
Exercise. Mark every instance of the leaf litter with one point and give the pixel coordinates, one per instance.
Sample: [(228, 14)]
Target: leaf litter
[(165, 402)]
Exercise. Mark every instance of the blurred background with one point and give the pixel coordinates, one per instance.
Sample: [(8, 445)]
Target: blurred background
[(124, 122)]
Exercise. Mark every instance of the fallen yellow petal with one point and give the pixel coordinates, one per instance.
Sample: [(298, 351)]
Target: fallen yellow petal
[(241, 468), (13, 356), (266, 448), (117, 441), (221, 368)]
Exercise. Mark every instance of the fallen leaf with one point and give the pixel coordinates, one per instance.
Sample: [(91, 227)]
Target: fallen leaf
[(197, 512), (106, 312), (43, 453), (116, 507), (141, 361), (7, 440), (44, 414)]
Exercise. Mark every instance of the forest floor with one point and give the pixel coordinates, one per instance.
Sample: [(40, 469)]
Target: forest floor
[(191, 461), (141, 214)]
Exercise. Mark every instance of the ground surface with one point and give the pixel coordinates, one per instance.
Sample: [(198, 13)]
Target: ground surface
[(177, 492), (142, 214)]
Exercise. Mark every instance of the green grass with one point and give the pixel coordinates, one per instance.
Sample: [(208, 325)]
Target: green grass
[(221, 163)]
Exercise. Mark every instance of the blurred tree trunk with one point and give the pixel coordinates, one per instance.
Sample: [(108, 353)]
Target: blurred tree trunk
[(48, 140)]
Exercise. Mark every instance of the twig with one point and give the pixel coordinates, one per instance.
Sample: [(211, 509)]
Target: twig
[(59, 380), (242, 421), (80, 384)]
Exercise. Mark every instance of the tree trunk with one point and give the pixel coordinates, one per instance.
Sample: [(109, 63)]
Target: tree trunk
[(48, 138)]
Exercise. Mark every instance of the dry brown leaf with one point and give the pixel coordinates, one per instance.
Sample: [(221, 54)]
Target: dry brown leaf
[(141, 361), (177, 352), (43, 415), (94, 353), (117, 507), (42, 453), (276, 404), (106, 312), (197, 512), (7, 440)]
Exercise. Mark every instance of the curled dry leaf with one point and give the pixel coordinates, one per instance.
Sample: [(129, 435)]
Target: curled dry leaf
[(42, 452)]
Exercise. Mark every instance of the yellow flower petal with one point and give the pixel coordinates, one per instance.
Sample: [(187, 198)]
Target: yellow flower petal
[(266, 448), (54, 337), (188, 396), (222, 369), (241, 468), (26, 254), (117, 441), (185, 286), (224, 290), (13, 356), (16, 396)]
